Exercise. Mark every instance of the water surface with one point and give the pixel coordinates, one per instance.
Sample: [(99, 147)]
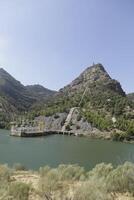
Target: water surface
[(57, 149)]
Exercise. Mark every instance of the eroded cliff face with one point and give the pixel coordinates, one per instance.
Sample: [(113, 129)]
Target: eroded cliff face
[(76, 124)]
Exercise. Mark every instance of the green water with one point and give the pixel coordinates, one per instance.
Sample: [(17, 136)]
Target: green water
[(56, 149)]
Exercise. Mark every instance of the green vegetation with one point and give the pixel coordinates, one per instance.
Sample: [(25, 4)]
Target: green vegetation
[(68, 182), (19, 167), (19, 191), (92, 190)]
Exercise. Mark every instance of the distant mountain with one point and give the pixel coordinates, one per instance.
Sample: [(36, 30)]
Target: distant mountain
[(40, 92), (16, 98), (14, 92)]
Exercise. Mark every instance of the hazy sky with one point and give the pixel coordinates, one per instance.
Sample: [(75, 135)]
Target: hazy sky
[(51, 41)]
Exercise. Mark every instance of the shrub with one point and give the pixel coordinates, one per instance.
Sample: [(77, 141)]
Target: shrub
[(68, 128), (19, 167), (48, 183), (44, 170), (79, 117), (121, 179), (118, 136), (100, 171), (5, 173), (56, 116), (77, 127), (91, 190), (56, 180), (4, 187), (71, 172), (19, 191)]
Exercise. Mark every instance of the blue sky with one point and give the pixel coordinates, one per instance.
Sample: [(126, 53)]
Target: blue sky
[(50, 42)]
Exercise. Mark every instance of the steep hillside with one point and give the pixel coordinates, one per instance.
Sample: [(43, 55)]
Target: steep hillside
[(91, 77), (94, 86), (14, 92), (15, 98)]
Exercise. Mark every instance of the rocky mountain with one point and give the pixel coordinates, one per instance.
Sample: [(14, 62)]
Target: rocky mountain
[(94, 86), (94, 80), (94, 75)]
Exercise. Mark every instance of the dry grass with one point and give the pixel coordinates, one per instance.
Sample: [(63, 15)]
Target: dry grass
[(68, 183)]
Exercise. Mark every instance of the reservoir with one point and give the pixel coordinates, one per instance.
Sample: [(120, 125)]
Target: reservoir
[(58, 149)]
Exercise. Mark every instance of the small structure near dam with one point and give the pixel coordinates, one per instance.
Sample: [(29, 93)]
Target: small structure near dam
[(68, 124), (35, 131), (39, 129)]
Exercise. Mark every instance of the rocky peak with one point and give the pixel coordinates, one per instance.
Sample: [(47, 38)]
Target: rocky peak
[(94, 75)]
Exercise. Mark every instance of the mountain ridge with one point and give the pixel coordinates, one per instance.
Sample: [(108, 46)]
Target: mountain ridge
[(16, 97)]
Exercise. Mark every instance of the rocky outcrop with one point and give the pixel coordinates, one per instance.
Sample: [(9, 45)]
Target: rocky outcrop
[(95, 74), (72, 122), (54, 122), (78, 124), (68, 119)]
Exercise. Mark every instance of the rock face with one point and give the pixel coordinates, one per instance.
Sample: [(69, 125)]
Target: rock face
[(54, 122), (77, 124), (95, 74)]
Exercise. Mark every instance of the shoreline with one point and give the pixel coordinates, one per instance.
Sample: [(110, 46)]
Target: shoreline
[(99, 136)]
